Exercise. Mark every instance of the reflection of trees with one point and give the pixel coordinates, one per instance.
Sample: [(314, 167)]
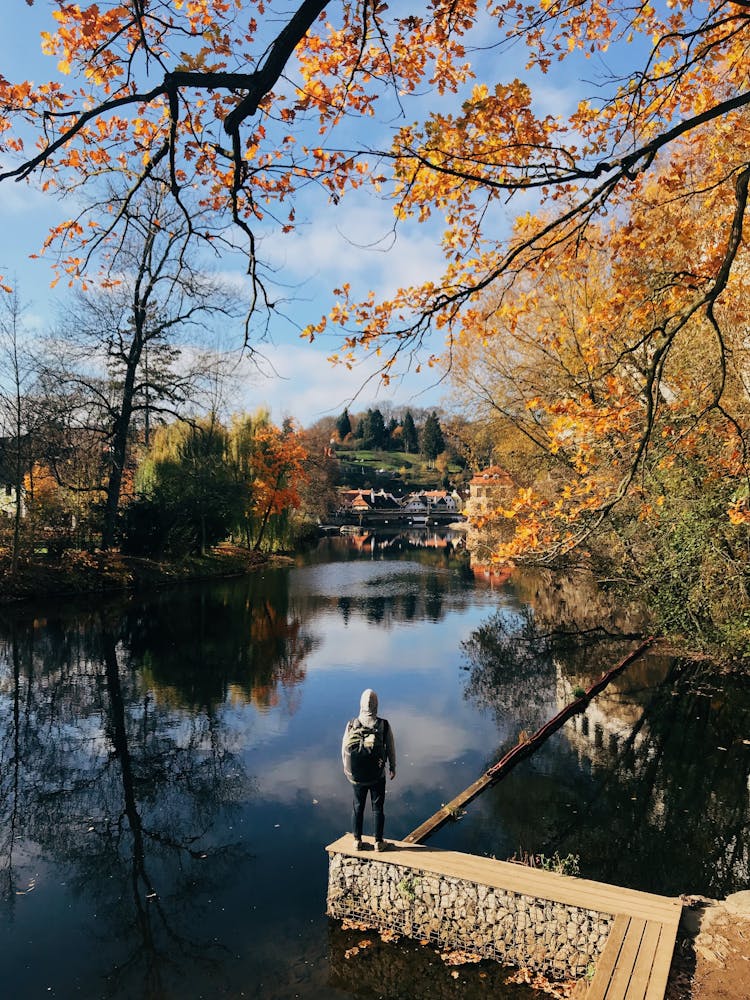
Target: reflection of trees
[(244, 639), (677, 785), (414, 596), (574, 602), (10, 773), (433, 603), (430, 582), (511, 670), (124, 793), (437, 548), (512, 659), (375, 609), (640, 773), (345, 607)]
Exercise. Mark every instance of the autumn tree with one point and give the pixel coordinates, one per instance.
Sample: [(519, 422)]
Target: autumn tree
[(249, 114), (270, 466), (569, 362), (473, 443), (278, 472), (543, 373), (317, 489)]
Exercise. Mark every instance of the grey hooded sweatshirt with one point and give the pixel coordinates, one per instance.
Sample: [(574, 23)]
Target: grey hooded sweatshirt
[(368, 716)]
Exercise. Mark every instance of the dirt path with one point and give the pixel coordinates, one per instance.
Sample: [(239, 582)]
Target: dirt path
[(712, 955)]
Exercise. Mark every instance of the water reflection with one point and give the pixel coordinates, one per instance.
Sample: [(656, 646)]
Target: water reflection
[(649, 786), (162, 785), (106, 782), (369, 969), (169, 768)]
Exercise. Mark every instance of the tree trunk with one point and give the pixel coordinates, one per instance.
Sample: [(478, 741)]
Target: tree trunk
[(119, 447), (262, 530), (19, 499), (267, 514)]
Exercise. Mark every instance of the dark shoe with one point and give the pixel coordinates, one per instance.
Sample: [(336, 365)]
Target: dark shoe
[(358, 844), (381, 845)]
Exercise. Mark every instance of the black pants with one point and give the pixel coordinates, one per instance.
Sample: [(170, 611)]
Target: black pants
[(377, 797)]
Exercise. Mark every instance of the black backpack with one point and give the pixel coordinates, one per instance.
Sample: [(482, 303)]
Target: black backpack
[(365, 752)]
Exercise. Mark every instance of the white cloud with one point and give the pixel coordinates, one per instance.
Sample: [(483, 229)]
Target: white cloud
[(356, 242), (297, 380)]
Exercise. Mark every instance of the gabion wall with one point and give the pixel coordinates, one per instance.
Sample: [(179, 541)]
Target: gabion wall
[(458, 915)]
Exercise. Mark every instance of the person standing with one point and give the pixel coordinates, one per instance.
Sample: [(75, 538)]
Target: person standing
[(367, 747)]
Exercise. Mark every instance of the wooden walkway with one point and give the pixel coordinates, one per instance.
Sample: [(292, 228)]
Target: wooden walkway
[(636, 959)]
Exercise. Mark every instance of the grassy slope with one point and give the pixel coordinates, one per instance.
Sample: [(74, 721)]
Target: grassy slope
[(399, 470)]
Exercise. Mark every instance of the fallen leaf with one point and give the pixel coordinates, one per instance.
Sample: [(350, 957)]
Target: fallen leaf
[(354, 925)]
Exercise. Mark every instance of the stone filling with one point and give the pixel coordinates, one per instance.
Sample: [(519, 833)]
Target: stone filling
[(457, 915)]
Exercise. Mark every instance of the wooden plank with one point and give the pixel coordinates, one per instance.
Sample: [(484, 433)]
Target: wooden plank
[(583, 893), (626, 960), (448, 811), (657, 983), (644, 963), (607, 962)]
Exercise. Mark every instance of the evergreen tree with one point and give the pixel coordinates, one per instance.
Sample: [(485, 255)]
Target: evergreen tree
[(372, 430), (377, 429), (410, 438), (344, 425), (389, 433), (432, 438), (364, 430)]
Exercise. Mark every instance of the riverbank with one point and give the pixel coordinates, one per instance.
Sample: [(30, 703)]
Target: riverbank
[(712, 955), (99, 572)]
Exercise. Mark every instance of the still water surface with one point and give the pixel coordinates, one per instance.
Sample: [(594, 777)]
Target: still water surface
[(170, 773)]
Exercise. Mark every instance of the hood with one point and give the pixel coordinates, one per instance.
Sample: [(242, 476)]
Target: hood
[(368, 706)]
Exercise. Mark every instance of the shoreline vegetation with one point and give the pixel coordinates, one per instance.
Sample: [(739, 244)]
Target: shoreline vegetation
[(80, 573)]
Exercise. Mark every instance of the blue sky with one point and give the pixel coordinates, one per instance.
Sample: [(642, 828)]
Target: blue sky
[(349, 242)]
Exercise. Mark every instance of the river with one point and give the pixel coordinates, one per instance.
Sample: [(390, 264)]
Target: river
[(170, 770)]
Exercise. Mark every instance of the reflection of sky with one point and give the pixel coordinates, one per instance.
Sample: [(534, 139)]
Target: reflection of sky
[(255, 889), (443, 741)]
